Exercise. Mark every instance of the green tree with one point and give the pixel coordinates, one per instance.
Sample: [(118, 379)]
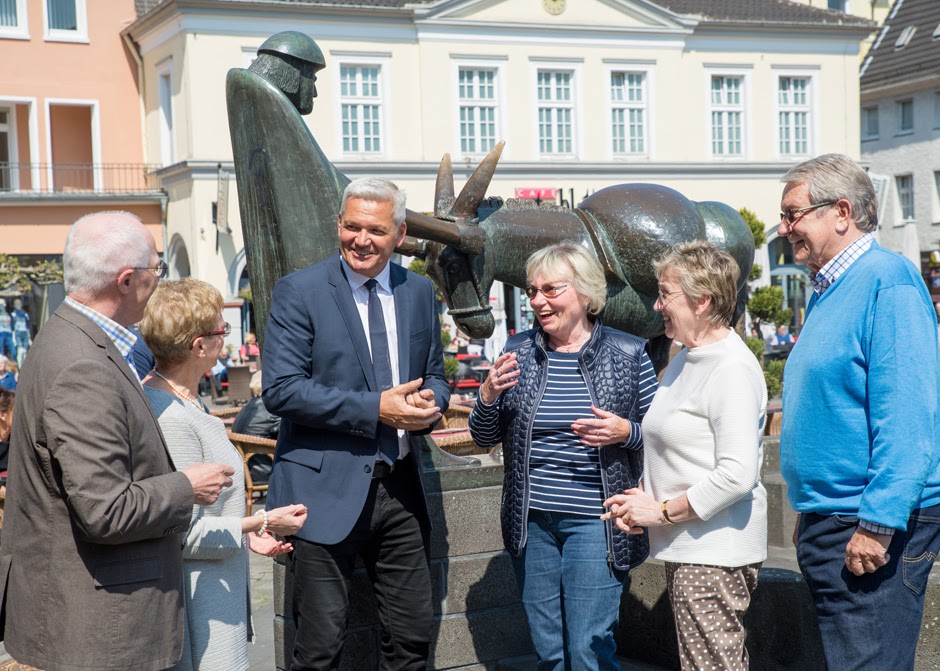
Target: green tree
[(15, 276), (773, 376), (451, 366), (760, 239), (766, 307)]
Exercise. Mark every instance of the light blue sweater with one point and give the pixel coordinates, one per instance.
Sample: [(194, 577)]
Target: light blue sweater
[(860, 397)]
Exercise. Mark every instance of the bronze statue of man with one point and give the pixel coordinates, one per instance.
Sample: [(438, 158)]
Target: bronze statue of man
[(288, 191)]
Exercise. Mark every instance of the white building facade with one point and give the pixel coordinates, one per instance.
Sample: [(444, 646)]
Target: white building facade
[(715, 103)]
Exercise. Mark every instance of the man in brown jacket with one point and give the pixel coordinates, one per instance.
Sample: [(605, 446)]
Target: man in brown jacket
[(91, 559)]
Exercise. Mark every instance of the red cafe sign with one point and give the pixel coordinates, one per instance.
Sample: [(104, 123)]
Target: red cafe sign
[(533, 193)]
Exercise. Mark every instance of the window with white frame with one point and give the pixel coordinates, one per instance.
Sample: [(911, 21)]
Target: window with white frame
[(727, 115), (628, 105), (555, 90), (361, 108), (13, 18), (870, 130), (905, 112), (66, 20), (477, 93), (905, 187), (793, 115)]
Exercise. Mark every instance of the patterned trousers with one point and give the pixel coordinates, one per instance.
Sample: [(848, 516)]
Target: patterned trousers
[(708, 603)]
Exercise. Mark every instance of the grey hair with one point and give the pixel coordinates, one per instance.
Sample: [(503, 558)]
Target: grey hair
[(92, 260), (379, 191), (835, 177), (570, 258)]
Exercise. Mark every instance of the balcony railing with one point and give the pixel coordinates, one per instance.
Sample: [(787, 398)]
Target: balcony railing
[(78, 178)]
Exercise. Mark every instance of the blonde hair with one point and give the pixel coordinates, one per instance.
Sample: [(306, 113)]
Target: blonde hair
[(704, 270), (179, 312), (571, 259)]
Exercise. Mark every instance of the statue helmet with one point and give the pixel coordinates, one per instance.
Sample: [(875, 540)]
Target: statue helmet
[(295, 44)]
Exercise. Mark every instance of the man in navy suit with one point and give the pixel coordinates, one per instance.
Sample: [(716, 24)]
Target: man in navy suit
[(354, 366)]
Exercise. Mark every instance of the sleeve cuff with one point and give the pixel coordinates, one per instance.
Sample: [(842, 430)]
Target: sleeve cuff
[(876, 528)]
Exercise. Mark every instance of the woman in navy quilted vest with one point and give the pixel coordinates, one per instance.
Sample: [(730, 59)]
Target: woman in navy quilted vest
[(704, 505), (566, 400)]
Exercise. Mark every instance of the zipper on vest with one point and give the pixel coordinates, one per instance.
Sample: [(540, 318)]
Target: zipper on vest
[(528, 449)]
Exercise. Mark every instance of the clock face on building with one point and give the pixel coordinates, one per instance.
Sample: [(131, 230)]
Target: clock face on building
[(554, 7)]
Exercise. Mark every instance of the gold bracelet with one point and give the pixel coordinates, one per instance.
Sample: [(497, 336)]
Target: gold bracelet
[(665, 514)]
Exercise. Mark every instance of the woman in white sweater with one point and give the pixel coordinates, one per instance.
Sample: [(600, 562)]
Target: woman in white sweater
[(701, 499), (183, 327)]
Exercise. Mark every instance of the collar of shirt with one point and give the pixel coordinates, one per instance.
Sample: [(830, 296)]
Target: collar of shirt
[(356, 281), (837, 266), (123, 339)]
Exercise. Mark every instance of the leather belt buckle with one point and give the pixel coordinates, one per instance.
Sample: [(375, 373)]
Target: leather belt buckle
[(381, 470)]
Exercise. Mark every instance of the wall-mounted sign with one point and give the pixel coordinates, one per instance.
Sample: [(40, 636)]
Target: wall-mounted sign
[(537, 193)]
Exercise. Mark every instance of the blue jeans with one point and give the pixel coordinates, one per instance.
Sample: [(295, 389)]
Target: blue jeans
[(570, 593), (872, 621), (6, 344)]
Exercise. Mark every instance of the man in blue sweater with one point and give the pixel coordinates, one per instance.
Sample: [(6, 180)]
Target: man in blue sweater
[(858, 445)]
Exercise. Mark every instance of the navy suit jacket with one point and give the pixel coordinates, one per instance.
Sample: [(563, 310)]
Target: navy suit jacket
[(318, 377)]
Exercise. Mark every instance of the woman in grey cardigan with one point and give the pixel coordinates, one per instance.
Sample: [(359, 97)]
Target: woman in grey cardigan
[(183, 328)]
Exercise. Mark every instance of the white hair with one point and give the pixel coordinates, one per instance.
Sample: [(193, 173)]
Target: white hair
[(379, 191), (99, 246)]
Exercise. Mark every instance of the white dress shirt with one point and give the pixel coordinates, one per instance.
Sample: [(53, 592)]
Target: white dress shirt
[(361, 296)]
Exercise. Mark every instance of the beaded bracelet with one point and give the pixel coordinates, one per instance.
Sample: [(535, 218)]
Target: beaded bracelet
[(264, 523)]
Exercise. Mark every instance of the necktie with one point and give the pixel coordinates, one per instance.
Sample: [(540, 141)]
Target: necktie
[(382, 367)]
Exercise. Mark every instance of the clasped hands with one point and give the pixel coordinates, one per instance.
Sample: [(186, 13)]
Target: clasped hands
[(633, 510), (409, 407)]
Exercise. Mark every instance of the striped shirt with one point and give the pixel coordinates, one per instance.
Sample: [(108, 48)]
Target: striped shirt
[(564, 473)]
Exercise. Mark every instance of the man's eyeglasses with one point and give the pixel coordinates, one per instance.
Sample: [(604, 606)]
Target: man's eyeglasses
[(792, 215), (550, 291), (160, 270), (663, 296)]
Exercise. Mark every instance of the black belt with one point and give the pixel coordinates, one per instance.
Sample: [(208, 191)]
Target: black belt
[(382, 470)]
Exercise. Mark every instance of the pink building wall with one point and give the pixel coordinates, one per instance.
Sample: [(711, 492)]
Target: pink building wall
[(63, 80), (101, 70)]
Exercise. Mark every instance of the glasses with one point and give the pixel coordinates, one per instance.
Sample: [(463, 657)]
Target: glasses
[(160, 270), (792, 215), (224, 331), (663, 296), (550, 291)]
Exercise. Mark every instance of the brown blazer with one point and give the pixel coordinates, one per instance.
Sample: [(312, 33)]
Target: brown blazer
[(90, 558)]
